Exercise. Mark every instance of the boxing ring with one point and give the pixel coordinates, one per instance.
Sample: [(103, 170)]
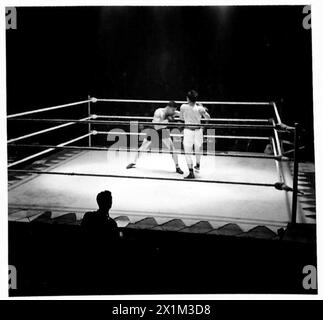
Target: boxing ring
[(246, 188)]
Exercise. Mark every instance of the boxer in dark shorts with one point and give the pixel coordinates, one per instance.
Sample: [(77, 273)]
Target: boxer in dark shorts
[(161, 115)]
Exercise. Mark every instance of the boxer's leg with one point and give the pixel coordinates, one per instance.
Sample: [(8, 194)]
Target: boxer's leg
[(168, 142), (144, 147), (198, 147), (188, 143)]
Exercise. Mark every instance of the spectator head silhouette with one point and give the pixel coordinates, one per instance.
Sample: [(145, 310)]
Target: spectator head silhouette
[(104, 200)]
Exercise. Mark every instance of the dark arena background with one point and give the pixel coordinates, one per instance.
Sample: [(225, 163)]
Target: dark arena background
[(60, 55)]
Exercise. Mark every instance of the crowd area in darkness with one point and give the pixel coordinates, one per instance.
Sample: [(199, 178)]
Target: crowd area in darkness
[(62, 257)]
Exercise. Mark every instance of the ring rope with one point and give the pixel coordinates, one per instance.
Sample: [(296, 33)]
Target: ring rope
[(141, 177), (212, 119), (146, 123), (273, 104), (94, 100), (11, 116), (277, 163), (183, 101), (202, 102), (216, 154), (47, 150), (43, 131), (279, 151), (94, 132), (293, 150), (277, 113)]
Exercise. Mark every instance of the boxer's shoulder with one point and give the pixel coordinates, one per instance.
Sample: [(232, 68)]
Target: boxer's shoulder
[(160, 112), (184, 106)]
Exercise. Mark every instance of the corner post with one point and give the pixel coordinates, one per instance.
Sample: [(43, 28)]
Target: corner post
[(89, 124), (295, 177)]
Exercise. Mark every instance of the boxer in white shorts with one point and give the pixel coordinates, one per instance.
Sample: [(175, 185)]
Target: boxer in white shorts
[(191, 113)]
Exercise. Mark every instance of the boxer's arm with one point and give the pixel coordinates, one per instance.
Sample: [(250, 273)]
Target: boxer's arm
[(177, 114), (204, 113), (181, 113), (158, 117), (174, 117)]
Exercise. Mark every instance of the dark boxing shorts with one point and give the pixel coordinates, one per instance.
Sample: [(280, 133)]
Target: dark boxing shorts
[(162, 134)]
